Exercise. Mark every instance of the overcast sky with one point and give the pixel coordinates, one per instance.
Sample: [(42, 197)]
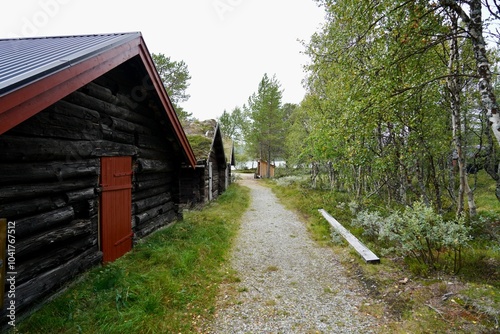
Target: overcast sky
[(228, 45)]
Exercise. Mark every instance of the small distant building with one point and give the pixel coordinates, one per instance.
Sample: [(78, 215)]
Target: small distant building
[(262, 166), (212, 174)]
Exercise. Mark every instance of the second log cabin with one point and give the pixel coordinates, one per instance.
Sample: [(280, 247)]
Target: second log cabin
[(213, 169)]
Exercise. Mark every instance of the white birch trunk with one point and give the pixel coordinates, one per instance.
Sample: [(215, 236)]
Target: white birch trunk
[(488, 98), (474, 25), (454, 88)]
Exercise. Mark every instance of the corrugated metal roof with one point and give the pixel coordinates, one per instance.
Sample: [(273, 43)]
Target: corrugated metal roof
[(23, 61)]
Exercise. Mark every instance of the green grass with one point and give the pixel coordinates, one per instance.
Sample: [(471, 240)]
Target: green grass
[(166, 284), (484, 193)]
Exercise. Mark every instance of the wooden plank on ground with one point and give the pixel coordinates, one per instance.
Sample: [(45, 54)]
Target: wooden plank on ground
[(367, 254)]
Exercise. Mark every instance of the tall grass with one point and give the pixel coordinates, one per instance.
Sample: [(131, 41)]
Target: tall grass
[(166, 284)]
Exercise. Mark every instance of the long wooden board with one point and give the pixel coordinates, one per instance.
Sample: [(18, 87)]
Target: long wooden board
[(367, 254)]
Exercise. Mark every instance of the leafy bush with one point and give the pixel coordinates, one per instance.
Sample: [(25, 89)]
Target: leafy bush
[(371, 222), (417, 232)]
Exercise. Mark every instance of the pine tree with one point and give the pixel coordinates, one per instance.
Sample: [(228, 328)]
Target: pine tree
[(265, 136)]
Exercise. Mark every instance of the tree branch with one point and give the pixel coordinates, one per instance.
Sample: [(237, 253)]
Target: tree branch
[(453, 5)]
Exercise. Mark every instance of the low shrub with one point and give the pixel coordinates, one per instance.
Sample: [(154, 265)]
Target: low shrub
[(287, 181), (418, 232)]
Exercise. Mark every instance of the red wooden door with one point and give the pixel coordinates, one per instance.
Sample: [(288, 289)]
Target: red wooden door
[(116, 207)]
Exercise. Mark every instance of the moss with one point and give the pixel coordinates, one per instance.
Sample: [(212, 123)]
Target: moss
[(200, 145)]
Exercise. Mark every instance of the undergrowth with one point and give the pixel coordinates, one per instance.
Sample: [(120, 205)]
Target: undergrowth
[(419, 293)]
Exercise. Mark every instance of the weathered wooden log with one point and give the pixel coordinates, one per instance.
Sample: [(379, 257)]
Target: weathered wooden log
[(40, 286), (80, 195), (151, 166), (100, 92), (141, 177), (54, 170), (189, 191), (127, 101), (44, 221), (33, 244), (104, 148), (65, 115), (58, 129), (116, 135), (125, 126), (93, 207), (147, 215), (146, 153), (149, 192), (69, 115), (15, 149), (153, 154), (86, 208), (101, 106), (126, 94), (45, 261), (13, 192), (119, 124), (110, 81), (75, 111), (150, 202), (24, 208), (164, 219), (151, 142), (139, 186)]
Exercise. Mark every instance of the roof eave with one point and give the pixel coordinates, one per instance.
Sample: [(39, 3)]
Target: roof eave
[(218, 139)]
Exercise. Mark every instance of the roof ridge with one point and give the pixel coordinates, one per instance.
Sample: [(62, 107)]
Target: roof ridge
[(70, 36)]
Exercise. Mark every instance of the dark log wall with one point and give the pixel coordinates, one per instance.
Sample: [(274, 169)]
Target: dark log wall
[(192, 187), (49, 177), (218, 176), (229, 174), (215, 176), (194, 184)]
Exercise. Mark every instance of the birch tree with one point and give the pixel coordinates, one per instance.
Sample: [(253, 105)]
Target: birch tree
[(474, 24), (379, 70), (232, 124), (380, 119), (455, 85)]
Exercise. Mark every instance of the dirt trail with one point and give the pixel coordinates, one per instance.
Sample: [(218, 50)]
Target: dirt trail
[(286, 282)]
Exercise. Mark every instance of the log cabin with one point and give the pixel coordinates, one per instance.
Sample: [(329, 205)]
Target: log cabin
[(91, 152), (212, 174)]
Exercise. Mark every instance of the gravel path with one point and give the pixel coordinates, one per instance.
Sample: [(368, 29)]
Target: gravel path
[(286, 282)]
